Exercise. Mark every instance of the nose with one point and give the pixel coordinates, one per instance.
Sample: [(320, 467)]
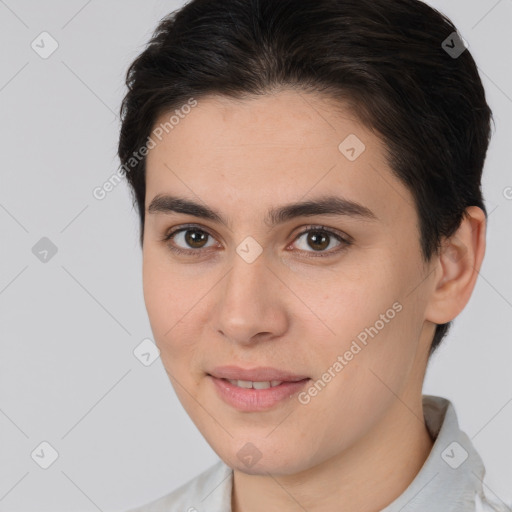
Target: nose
[(252, 304)]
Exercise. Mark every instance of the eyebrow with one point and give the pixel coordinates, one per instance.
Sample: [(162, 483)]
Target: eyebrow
[(325, 205)]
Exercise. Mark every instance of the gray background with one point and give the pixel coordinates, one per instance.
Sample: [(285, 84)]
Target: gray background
[(68, 327)]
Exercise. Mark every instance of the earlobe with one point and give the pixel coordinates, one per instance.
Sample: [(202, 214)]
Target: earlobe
[(459, 262)]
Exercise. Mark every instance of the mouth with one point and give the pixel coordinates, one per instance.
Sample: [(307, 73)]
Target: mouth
[(248, 384), (259, 374), (257, 389)]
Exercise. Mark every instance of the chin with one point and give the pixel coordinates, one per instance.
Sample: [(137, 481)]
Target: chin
[(259, 464)]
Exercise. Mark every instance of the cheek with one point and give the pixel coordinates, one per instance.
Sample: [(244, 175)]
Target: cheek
[(167, 292), (156, 289), (370, 315), (370, 354), (171, 302), (346, 300)]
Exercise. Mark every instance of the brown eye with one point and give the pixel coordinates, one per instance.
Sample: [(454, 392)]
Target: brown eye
[(319, 240), (195, 238), (188, 240)]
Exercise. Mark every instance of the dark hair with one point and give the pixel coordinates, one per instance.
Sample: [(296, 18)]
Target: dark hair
[(394, 62)]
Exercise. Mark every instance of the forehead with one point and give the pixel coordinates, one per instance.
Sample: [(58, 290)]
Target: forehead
[(283, 120), (272, 149)]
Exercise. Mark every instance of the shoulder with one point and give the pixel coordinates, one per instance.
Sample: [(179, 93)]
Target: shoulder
[(212, 487)]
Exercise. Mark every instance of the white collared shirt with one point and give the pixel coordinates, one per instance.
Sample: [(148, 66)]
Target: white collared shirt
[(450, 480)]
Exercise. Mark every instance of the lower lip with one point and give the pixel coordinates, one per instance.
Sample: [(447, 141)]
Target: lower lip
[(256, 399)]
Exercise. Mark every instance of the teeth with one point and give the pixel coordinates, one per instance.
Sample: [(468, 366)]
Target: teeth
[(261, 385), (256, 385)]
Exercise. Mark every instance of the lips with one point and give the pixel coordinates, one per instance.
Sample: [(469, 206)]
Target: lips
[(256, 389)]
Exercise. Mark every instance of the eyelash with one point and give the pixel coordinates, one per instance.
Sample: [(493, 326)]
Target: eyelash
[(199, 252)]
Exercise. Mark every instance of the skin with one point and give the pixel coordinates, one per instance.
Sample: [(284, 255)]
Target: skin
[(361, 440)]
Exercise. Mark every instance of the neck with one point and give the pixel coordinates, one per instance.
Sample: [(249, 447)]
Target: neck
[(367, 477)]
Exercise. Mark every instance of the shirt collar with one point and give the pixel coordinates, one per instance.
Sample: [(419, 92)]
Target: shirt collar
[(453, 473)]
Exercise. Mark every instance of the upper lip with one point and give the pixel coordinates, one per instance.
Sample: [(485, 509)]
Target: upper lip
[(259, 374)]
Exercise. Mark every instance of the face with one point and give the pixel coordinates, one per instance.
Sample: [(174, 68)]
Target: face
[(241, 285)]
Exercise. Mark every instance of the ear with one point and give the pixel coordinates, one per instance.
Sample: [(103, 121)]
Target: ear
[(458, 264)]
